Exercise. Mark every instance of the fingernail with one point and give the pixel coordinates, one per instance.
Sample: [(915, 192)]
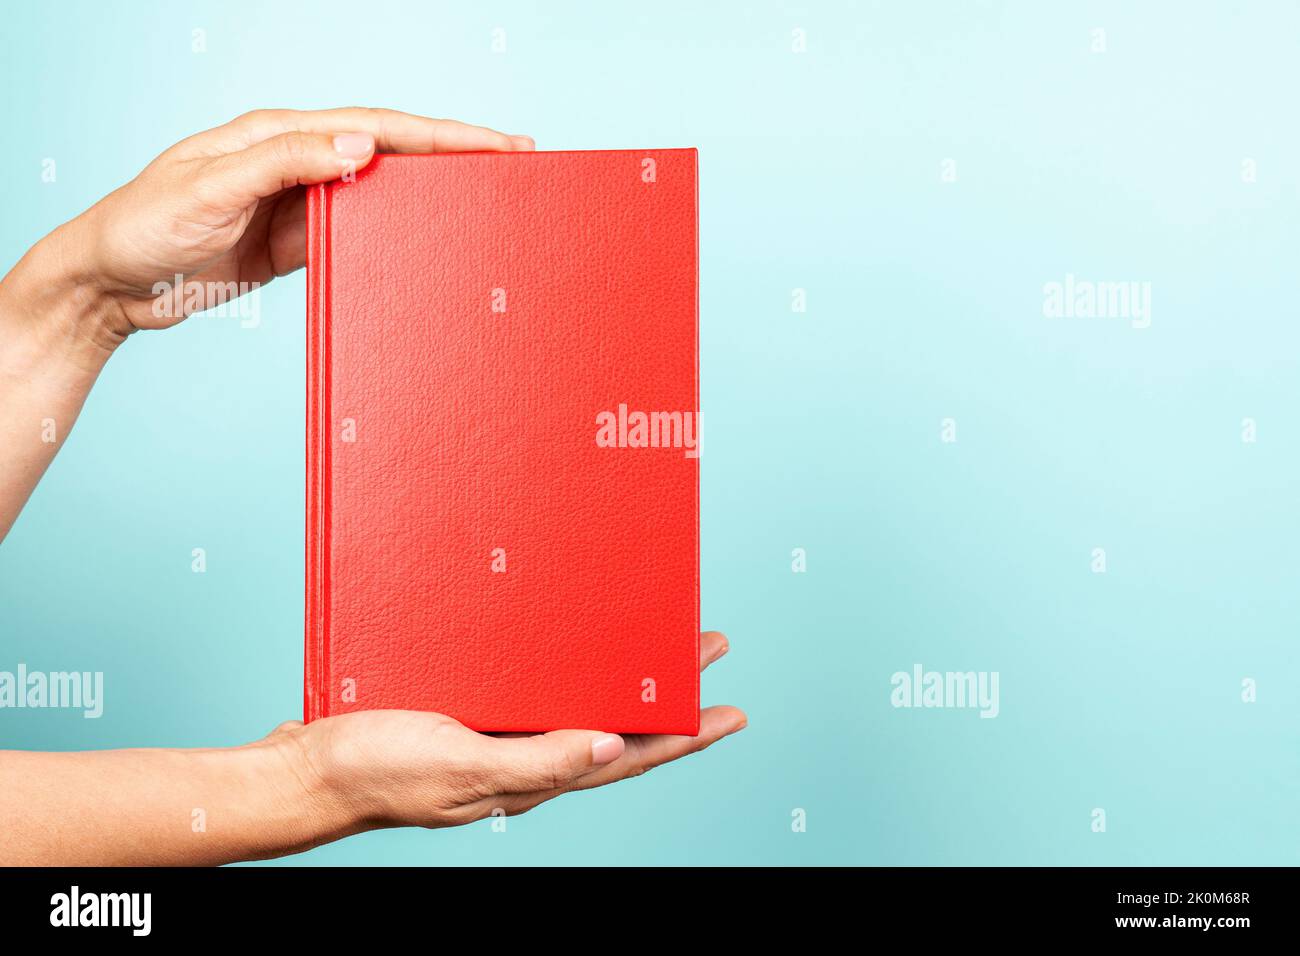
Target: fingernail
[(722, 650), (354, 145), (744, 722), (523, 142), (606, 749)]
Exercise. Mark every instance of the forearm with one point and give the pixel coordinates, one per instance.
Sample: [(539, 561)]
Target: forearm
[(56, 333), (162, 807)]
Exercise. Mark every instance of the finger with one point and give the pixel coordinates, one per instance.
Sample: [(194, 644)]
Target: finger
[(394, 131), (546, 762), (237, 179), (644, 753), (286, 239), (712, 646)]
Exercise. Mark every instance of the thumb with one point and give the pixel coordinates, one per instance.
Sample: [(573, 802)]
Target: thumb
[(553, 761), (290, 159)]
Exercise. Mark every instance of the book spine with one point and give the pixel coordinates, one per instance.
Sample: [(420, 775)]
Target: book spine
[(316, 629), (699, 418)]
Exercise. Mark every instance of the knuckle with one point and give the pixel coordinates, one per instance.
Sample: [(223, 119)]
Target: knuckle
[(293, 147), (372, 117), (380, 121), (561, 770), (639, 763), (553, 771), (254, 116)]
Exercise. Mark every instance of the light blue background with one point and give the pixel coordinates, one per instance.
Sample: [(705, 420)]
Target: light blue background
[(819, 171)]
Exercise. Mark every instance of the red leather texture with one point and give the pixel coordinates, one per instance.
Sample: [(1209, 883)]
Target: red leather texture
[(469, 318)]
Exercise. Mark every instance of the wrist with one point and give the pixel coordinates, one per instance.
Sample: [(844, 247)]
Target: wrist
[(309, 782), (52, 303)]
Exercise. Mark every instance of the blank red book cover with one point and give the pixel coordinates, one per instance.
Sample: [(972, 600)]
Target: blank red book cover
[(502, 440)]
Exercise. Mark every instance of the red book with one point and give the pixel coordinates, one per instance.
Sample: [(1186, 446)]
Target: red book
[(503, 439)]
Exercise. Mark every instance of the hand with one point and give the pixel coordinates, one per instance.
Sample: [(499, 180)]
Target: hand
[(223, 209), (302, 786), (228, 205), (385, 768)]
